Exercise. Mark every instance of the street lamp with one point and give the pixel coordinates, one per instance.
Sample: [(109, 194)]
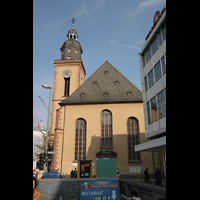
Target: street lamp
[(46, 86), (47, 129)]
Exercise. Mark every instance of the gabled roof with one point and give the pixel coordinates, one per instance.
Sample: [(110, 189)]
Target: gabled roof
[(105, 85)]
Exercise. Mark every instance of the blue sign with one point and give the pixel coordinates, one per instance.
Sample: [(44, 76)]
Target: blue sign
[(99, 190)]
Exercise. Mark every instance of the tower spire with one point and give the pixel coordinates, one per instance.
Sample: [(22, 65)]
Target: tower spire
[(73, 20)]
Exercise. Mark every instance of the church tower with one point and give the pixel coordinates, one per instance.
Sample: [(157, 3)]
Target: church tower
[(69, 72)]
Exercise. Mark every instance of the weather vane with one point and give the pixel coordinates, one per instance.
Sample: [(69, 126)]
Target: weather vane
[(73, 20)]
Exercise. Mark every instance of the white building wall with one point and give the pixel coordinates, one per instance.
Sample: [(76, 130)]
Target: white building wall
[(158, 126)]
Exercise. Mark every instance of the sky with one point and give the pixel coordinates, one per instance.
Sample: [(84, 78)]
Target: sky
[(112, 30)]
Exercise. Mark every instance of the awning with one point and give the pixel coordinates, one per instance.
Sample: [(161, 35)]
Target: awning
[(153, 145)]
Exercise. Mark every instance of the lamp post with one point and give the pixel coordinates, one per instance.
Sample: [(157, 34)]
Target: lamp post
[(47, 129)]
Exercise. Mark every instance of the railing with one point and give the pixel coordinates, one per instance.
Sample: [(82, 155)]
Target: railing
[(145, 191), (62, 188)]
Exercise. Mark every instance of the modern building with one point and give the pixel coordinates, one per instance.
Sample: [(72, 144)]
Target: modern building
[(153, 77), (101, 117)]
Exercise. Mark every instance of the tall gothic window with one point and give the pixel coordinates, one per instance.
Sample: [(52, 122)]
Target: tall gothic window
[(67, 84), (80, 140), (106, 129), (133, 139)]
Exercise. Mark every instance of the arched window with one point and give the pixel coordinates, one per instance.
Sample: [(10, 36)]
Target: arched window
[(106, 129), (80, 140), (133, 139)]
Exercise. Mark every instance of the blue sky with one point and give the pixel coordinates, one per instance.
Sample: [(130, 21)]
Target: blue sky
[(112, 30)]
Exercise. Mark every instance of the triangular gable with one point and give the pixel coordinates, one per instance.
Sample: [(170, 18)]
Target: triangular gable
[(105, 85)]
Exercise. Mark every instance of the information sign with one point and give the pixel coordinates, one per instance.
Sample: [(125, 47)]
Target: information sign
[(99, 190)]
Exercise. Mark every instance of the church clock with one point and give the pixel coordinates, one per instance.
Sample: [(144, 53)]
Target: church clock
[(67, 73)]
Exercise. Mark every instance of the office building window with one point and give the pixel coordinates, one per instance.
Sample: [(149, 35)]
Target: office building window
[(155, 45), (161, 104), (80, 140), (148, 112), (143, 60), (106, 129), (133, 138), (163, 65), (145, 83), (164, 31), (151, 78), (154, 110), (160, 38), (148, 54), (157, 70)]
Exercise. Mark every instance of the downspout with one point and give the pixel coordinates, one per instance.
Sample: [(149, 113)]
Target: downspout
[(63, 139)]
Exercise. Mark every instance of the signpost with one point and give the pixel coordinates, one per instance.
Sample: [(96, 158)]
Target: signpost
[(99, 190)]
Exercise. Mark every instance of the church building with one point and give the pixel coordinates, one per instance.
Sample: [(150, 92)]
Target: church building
[(101, 117)]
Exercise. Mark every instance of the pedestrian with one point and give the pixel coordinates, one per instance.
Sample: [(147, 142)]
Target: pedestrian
[(75, 173), (146, 175), (36, 193), (72, 174), (34, 173), (117, 172), (58, 171), (158, 176)]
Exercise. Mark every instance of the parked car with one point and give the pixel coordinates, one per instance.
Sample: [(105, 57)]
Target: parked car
[(51, 175)]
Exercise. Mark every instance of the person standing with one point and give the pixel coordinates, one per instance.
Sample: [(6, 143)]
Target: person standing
[(36, 193), (75, 173), (58, 171), (117, 172), (72, 173), (158, 176), (146, 175)]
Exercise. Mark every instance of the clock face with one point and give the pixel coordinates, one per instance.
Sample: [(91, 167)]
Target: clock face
[(67, 73)]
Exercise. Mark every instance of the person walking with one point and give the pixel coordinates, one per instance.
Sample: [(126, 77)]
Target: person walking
[(36, 193), (75, 173), (146, 175), (158, 176)]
